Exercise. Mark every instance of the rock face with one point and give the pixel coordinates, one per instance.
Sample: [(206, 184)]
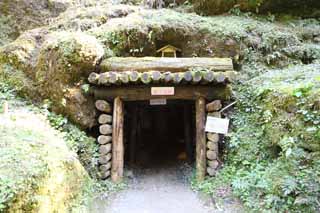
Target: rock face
[(309, 8)]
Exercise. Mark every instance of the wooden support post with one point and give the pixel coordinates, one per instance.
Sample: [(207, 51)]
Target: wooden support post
[(200, 139), (117, 142)]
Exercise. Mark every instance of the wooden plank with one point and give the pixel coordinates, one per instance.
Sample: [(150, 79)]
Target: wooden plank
[(141, 93), (117, 142), (164, 64), (200, 139)]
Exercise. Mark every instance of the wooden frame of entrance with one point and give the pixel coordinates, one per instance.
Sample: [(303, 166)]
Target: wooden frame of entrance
[(120, 93), (200, 94)]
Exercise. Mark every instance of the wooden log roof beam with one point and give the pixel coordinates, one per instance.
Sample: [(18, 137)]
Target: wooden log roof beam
[(155, 77), (119, 64), (143, 93)]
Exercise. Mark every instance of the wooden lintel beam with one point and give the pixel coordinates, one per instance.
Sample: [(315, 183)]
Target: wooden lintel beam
[(142, 93)]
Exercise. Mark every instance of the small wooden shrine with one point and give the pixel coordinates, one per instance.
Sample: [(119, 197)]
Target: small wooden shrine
[(198, 85)]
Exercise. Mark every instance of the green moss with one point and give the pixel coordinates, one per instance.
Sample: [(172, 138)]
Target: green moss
[(37, 170), (273, 153)]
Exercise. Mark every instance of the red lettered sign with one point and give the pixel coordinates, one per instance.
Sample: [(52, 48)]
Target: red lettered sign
[(162, 90)]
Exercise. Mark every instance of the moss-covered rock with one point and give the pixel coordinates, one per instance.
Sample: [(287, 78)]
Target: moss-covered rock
[(38, 173)]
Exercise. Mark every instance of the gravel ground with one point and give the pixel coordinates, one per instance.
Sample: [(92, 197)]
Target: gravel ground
[(162, 189)]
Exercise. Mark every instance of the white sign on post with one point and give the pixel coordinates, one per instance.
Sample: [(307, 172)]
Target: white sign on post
[(217, 125), (162, 90), (158, 101)]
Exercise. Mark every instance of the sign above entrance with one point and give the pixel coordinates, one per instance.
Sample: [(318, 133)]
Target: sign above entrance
[(159, 101), (162, 90), (217, 125)]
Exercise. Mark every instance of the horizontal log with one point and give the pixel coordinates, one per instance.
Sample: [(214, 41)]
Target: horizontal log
[(104, 159), (214, 106), (168, 77), (104, 139), (103, 106), (213, 146), (105, 129), (124, 77), (146, 78), (93, 78), (156, 76), (105, 149), (140, 93), (164, 64), (211, 171), (214, 164), (103, 79), (207, 77), (215, 114), (212, 155), (214, 137), (134, 77), (196, 77), (105, 167), (105, 175), (105, 119)]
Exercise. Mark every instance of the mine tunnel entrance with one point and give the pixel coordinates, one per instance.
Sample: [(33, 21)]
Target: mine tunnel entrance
[(159, 135)]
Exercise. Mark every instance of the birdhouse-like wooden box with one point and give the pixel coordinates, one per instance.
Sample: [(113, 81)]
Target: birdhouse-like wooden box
[(169, 51)]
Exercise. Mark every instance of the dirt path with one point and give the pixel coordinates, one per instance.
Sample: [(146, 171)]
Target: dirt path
[(157, 190)]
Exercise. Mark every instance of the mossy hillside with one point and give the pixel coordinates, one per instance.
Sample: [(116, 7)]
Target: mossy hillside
[(272, 155), (309, 8), (38, 173), (58, 58)]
